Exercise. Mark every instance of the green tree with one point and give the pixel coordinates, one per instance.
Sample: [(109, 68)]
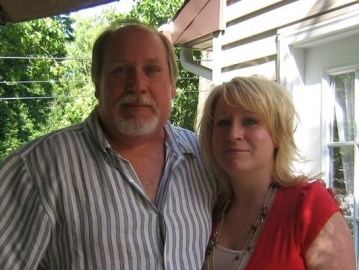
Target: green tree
[(61, 92), (29, 75), (157, 13), (151, 12), (77, 93)]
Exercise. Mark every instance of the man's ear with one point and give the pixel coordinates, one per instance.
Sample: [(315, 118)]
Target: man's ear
[(96, 91)]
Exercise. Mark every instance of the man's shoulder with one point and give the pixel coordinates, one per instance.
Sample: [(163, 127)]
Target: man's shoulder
[(181, 133), (52, 139), (186, 140), (48, 146)]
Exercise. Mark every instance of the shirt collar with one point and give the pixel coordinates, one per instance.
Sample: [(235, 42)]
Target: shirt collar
[(177, 138)]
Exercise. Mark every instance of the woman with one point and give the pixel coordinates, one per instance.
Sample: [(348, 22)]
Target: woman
[(267, 217)]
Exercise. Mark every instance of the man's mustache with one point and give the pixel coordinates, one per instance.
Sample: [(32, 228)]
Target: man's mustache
[(137, 99)]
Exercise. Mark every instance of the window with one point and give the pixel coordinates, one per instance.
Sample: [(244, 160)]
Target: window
[(342, 145)]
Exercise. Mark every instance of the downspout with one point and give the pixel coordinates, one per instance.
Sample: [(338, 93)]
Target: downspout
[(187, 62), (186, 55)]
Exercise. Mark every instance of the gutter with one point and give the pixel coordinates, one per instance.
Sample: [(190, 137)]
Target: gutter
[(187, 62), (186, 55)]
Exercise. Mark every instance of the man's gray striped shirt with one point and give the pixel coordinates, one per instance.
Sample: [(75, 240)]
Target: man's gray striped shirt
[(68, 201)]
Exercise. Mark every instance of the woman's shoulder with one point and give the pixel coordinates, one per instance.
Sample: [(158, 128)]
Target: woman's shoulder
[(306, 188), (308, 194)]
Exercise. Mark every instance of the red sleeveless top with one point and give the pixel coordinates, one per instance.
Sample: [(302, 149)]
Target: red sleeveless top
[(297, 216)]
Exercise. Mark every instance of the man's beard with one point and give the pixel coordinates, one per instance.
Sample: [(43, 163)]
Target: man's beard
[(133, 126)]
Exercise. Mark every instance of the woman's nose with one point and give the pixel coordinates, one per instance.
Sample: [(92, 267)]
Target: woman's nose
[(235, 132)]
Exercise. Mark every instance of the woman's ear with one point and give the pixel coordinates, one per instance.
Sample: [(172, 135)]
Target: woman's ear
[(173, 91)]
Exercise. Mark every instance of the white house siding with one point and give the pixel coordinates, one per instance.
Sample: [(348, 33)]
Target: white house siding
[(299, 44), (310, 97), (306, 52), (248, 43)]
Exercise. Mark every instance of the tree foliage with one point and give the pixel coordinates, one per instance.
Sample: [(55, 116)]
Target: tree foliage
[(184, 108), (48, 85), (155, 13), (77, 93), (27, 84)]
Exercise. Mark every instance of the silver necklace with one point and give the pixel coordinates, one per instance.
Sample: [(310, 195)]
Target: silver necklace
[(251, 240)]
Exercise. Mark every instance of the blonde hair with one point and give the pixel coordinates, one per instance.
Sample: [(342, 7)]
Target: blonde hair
[(274, 106)]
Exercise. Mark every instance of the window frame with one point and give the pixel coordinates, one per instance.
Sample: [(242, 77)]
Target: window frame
[(328, 99)]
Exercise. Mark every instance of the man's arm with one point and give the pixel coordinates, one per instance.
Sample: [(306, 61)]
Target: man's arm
[(24, 225)]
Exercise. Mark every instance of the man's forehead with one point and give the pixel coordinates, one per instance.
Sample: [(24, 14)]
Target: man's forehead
[(127, 30), (148, 59), (137, 37), (150, 46)]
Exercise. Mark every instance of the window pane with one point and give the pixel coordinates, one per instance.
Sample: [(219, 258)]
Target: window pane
[(343, 128), (342, 171), (351, 225)]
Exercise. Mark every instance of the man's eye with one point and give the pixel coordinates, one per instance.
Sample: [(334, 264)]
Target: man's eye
[(119, 70), (152, 69)]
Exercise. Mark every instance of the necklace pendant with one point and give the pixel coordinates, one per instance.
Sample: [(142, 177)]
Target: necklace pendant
[(264, 212), (210, 246)]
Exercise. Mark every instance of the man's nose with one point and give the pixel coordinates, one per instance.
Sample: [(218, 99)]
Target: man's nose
[(137, 82)]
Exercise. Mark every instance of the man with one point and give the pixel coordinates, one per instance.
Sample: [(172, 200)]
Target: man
[(125, 189)]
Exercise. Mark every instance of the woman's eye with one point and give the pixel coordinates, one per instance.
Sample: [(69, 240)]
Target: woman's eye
[(222, 123), (250, 121)]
